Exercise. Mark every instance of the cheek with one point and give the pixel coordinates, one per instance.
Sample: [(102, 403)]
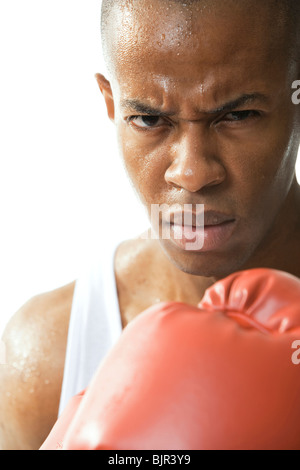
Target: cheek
[(145, 165), (262, 169)]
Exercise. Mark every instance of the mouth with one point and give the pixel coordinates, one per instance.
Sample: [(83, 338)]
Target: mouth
[(204, 231)]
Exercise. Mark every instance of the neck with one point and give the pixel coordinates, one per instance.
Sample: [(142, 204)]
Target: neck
[(280, 249)]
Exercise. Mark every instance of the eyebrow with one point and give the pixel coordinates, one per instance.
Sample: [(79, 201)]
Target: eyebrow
[(241, 101), (143, 108)]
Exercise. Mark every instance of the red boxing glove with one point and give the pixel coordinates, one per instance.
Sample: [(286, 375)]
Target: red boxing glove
[(183, 378)]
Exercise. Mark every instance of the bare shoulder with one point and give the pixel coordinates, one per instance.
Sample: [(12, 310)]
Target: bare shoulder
[(133, 253), (135, 258), (137, 264), (30, 382)]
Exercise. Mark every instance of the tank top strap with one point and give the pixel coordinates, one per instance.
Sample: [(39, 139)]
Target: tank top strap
[(95, 322)]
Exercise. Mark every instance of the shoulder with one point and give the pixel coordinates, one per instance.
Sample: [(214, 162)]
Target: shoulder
[(138, 273), (39, 327), (30, 381), (134, 258)]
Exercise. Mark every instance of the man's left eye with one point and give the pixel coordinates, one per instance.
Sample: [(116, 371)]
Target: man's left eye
[(240, 115), (145, 122)]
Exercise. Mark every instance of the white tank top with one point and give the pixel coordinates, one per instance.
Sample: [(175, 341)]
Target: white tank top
[(95, 323)]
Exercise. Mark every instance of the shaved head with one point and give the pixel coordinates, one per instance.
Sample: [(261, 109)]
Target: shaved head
[(282, 14)]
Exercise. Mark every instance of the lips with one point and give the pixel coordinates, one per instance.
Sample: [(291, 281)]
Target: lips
[(200, 218), (203, 231)]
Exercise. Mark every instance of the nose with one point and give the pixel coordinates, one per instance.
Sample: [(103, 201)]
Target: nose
[(194, 162)]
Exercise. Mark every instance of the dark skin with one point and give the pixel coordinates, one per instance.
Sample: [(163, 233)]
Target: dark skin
[(220, 130), (203, 143)]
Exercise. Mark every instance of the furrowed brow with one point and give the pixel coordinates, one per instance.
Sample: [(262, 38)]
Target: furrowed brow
[(241, 101), (139, 107)]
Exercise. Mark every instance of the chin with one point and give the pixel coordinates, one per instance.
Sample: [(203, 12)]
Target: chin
[(216, 265)]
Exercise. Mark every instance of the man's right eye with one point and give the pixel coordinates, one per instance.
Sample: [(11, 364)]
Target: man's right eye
[(146, 122)]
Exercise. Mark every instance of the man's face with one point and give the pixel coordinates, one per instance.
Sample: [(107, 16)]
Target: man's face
[(203, 110)]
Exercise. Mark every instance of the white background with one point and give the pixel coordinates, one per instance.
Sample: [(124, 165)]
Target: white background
[(60, 174)]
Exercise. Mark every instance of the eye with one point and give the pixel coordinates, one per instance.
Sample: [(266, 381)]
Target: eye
[(146, 122), (236, 116)]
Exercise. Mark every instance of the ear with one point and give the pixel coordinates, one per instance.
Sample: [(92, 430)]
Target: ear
[(106, 91)]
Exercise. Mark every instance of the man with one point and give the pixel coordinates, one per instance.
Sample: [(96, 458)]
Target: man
[(200, 94)]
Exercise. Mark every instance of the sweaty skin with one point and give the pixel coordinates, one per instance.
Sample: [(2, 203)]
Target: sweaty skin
[(201, 101)]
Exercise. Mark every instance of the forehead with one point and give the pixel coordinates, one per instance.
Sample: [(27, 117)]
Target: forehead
[(182, 47)]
